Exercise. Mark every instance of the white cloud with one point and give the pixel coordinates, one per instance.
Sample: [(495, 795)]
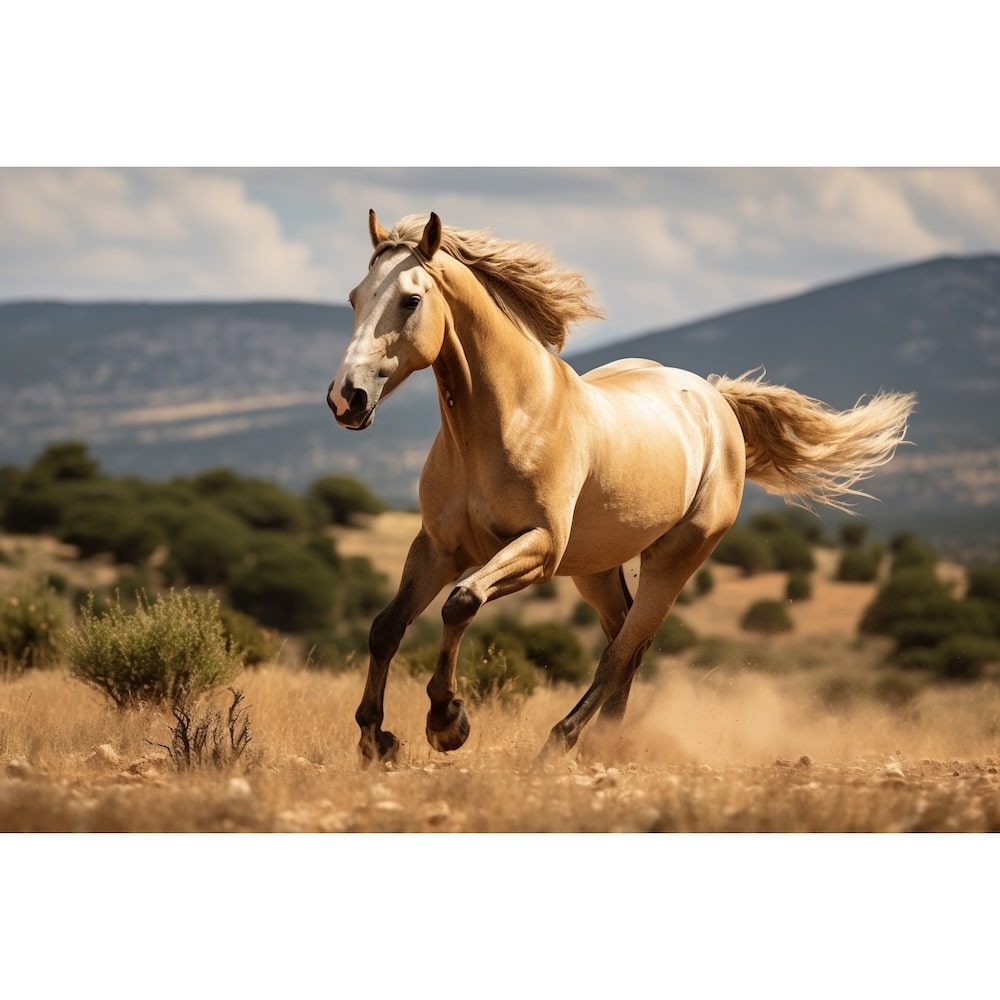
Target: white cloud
[(161, 233)]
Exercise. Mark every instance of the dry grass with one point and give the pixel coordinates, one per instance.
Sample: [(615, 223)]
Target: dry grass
[(723, 751)]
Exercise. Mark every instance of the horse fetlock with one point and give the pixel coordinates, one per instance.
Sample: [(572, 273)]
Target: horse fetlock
[(447, 725)]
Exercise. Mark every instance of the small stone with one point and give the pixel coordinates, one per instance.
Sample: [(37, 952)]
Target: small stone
[(435, 813), (18, 767), (238, 789)]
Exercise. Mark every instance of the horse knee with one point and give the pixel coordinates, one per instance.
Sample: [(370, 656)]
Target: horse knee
[(461, 606)]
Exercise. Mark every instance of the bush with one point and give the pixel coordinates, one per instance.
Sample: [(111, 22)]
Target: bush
[(984, 583), (260, 504), (791, 552), (853, 533), (906, 595), (175, 650), (858, 565), (964, 656), (704, 581), (547, 591), (207, 549), (910, 554), (285, 585), (341, 497), (31, 617), (745, 548), (555, 651), (673, 636), (798, 587), (242, 631), (96, 526), (584, 614), (766, 617), (495, 665)]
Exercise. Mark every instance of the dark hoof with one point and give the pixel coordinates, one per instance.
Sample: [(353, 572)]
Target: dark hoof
[(447, 727), (380, 748)]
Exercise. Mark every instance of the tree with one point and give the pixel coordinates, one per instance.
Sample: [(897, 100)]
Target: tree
[(766, 617), (342, 497)]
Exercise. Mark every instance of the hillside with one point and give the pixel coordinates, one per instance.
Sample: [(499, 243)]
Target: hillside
[(164, 389)]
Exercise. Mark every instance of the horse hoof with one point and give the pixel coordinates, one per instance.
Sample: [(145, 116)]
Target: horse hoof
[(378, 748), (447, 728)]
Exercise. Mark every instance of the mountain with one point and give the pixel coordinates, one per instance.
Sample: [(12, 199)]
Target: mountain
[(166, 389)]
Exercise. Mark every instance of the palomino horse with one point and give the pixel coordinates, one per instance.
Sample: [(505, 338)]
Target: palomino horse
[(537, 471)]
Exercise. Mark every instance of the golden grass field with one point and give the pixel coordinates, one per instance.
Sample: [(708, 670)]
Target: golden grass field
[(702, 750)]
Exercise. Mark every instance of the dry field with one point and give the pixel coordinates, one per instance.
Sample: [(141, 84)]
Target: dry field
[(702, 753), (703, 750)]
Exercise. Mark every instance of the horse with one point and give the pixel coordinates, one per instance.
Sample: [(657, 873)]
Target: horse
[(537, 471)]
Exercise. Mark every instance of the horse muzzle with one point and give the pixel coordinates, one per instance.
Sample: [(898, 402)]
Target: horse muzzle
[(351, 406)]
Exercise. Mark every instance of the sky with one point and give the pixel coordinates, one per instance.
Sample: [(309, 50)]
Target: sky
[(659, 245)]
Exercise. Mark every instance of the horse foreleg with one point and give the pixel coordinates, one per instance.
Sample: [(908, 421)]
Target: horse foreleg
[(528, 559), (426, 571)]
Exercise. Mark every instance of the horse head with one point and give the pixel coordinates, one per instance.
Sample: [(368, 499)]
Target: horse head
[(399, 323)]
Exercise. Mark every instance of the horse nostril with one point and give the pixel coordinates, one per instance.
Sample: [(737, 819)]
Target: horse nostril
[(357, 400)]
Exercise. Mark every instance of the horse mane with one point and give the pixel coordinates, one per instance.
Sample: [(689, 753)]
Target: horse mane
[(523, 279)]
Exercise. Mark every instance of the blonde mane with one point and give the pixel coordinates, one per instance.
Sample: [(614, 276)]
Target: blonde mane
[(523, 279)]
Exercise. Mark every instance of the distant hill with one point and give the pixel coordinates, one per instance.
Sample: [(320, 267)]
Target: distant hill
[(166, 389)]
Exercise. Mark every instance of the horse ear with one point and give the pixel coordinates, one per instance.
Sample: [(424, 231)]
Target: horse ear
[(430, 242), (375, 230)]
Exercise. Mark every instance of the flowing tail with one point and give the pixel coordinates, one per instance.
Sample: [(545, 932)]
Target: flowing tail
[(804, 450)]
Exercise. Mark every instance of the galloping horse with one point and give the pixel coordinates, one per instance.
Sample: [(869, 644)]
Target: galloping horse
[(537, 471)]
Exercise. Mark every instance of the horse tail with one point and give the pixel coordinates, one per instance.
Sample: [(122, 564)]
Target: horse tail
[(804, 450)]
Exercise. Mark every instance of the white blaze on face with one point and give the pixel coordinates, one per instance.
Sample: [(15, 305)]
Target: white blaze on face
[(366, 351)]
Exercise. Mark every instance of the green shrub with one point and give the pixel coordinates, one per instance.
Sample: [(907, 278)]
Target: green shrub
[(906, 595), (556, 651), (984, 583), (791, 552), (361, 589), (964, 656), (260, 504), (895, 690), (207, 549), (673, 636), (799, 586), (584, 614), (31, 617), (853, 533), (495, 666), (65, 461), (284, 585), (704, 581), (173, 650), (341, 497), (96, 526), (766, 617), (256, 645), (858, 565), (745, 548), (547, 591), (910, 554)]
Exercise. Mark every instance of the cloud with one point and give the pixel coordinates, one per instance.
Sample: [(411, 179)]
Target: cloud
[(169, 233)]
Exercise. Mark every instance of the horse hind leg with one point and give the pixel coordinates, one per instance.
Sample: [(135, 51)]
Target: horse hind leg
[(609, 595), (666, 567)]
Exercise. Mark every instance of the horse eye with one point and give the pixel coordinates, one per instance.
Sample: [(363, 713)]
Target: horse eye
[(411, 302)]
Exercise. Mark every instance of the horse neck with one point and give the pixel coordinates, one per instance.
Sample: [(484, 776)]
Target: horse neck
[(488, 367)]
